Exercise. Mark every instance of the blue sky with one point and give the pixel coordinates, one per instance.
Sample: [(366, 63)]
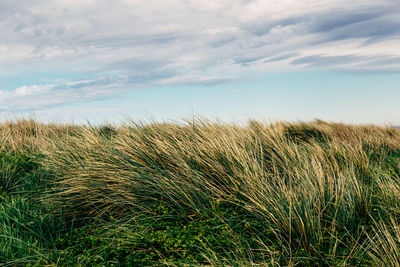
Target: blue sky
[(98, 60)]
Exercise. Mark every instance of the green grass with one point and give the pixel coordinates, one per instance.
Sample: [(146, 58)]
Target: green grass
[(27, 233), (315, 193)]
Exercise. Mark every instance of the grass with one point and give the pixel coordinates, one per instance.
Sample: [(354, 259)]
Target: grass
[(317, 193)]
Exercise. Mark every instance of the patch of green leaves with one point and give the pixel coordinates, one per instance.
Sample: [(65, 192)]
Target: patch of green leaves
[(165, 238)]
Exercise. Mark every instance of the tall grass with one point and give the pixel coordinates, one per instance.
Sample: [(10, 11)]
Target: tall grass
[(310, 193)]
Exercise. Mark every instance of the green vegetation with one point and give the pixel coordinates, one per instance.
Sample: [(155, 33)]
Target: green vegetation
[(321, 194)]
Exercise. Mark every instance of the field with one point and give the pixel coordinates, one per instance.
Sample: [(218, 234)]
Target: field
[(199, 193)]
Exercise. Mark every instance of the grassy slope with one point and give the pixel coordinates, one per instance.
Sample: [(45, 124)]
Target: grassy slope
[(282, 194)]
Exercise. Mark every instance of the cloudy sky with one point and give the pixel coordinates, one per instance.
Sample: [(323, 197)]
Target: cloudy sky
[(98, 60)]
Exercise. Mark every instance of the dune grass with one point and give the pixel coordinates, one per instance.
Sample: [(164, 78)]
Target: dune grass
[(201, 193)]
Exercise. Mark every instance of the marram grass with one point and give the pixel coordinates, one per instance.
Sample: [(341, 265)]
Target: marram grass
[(202, 193)]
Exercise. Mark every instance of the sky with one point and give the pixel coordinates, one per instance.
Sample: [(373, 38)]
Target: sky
[(228, 60)]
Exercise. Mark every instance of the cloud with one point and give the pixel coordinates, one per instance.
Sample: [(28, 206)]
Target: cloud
[(131, 44), (319, 61), (33, 89), (36, 97), (25, 91)]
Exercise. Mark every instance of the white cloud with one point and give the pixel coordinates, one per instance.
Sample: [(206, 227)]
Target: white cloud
[(25, 97), (33, 89)]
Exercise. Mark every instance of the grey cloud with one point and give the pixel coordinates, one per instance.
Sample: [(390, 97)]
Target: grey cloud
[(281, 57), (371, 29), (248, 59), (343, 18), (264, 27), (374, 23), (11, 7), (386, 61), (318, 60), (387, 64)]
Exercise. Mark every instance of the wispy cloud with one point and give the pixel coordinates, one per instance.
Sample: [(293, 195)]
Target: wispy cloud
[(31, 90), (128, 44)]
